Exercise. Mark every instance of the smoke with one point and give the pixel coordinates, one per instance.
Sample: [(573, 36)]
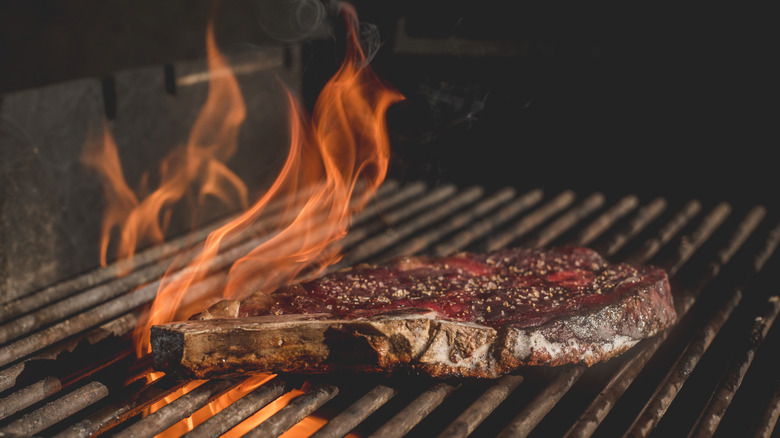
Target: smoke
[(293, 20), (370, 41), (300, 20)]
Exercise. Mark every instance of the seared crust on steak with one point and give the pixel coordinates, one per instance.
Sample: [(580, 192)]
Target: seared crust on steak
[(418, 339)]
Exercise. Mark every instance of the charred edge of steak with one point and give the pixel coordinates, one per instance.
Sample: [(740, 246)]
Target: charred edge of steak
[(415, 340)]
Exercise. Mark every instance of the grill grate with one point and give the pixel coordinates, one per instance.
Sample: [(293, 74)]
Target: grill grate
[(68, 368)]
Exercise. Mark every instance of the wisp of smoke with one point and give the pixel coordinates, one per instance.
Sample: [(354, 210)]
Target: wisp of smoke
[(293, 20)]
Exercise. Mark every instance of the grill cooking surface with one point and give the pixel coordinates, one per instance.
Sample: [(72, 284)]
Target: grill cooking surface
[(68, 368)]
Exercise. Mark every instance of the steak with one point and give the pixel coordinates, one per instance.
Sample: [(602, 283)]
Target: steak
[(474, 315)]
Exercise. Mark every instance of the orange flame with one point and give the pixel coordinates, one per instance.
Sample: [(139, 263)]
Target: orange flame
[(343, 145), (198, 165)]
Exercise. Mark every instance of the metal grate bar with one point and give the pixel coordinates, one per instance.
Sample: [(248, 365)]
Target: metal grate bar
[(542, 404), (102, 292), (385, 240), (56, 411), (689, 246), (669, 230), (414, 188), (682, 369), (480, 409), (117, 327), (131, 405), (356, 413), (178, 409), (467, 421), (454, 246), (461, 220), (105, 283), (161, 254), (766, 424), (531, 221), (298, 409), (567, 220), (530, 416), (639, 222), (721, 399), (607, 220), (481, 228), (630, 368), (399, 214), (418, 409), (685, 364), (123, 303), (239, 410), (28, 396)]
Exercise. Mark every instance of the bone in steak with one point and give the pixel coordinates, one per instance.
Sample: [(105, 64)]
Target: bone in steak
[(477, 315)]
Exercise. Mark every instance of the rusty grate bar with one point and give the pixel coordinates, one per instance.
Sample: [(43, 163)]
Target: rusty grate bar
[(405, 194), (418, 409), (161, 253), (485, 226), (116, 327), (385, 240), (530, 416), (419, 243), (607, 220), (28, 396), (766, 424), (685, 364), (374, 400), (531, 221), (347, 420), (239, 410), (476, 413), (131, 405), (669, 230), (105, 283), (56, 411), (567, 220), (182, 407), (399, 214), (444, 211), (298, 409), (639, 222), (682, 369), (721, 399), (548, 397), (630, 368), (126, 302)]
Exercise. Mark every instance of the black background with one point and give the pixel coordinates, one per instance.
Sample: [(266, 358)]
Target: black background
[(675, 101)]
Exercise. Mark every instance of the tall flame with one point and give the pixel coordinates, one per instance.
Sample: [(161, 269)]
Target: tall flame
[(198, 166), (343, 145), (341, 148)]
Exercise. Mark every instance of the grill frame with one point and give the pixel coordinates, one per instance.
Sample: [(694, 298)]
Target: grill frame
[(698, 244)]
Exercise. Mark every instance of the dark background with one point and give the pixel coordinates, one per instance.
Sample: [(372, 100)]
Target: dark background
[(677, 102)]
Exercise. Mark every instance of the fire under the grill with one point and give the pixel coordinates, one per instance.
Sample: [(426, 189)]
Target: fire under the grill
[(68, 367)]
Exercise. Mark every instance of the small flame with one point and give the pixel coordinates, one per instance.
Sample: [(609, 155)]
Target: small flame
[(200, 166), (101, 154)]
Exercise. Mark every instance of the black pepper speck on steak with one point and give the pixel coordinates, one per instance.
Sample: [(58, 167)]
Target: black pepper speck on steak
[(478, 315)]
